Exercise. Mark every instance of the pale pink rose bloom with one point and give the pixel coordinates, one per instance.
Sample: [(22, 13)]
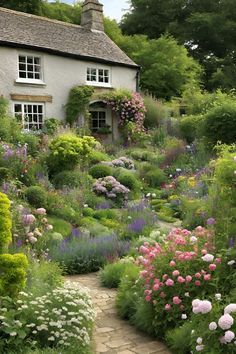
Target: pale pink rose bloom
[(226, 321)]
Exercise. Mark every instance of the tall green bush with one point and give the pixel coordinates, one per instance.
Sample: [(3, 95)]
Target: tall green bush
[(78, 102), (156, 112), (13, 267)]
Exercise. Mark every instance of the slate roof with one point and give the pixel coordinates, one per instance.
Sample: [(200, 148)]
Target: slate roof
[(18, 29)]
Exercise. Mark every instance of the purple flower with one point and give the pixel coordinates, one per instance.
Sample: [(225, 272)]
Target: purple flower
[(211, 221), (137, 225)]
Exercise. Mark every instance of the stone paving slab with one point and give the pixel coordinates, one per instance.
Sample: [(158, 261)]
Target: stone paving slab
[(113, 335)]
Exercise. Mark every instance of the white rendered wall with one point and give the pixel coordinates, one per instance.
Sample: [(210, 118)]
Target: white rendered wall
[(60, 74)]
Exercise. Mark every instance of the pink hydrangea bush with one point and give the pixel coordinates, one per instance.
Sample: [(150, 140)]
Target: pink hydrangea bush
[(110, 188), (217, 332), (122, 161), (177, 270)]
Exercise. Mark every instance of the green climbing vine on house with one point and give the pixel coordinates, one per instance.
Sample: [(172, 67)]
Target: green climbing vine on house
[(78, 101)]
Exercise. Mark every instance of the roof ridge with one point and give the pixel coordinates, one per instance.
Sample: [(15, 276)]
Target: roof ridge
[(43, 18)]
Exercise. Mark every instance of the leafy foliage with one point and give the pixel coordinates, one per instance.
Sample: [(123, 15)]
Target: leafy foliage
[(78, 101)]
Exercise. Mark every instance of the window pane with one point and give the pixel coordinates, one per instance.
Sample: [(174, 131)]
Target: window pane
[(22, 74), (30, 60), (22, 59)]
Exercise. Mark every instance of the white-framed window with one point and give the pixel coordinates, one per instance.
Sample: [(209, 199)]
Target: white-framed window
[(29, 68), (98, 120), (31, 114), (98, 76)]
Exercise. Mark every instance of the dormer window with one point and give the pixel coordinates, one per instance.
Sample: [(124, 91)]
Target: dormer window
[(29, 69), (98, 76)]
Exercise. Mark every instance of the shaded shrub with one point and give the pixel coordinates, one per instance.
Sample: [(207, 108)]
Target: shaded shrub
[(97, 156), (32, 142), (155, 177), (189, 127), (100, 171), (179, 339), (50, 126), (156, 112), (36, 196), (60, 226), (128, 179), (4, 174), (112, 274), (69, 179), (219, 124)]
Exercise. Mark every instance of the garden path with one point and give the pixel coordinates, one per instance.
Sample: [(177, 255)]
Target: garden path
[(113, 335)]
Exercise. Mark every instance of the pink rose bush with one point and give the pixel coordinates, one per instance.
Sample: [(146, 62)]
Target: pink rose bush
[(110, 188), (177, 270)]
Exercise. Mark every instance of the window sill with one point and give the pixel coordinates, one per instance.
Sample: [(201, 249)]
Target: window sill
[(98, 84), (30, 82)]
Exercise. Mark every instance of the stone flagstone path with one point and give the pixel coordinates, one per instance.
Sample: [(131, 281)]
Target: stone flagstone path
[(113, 335)]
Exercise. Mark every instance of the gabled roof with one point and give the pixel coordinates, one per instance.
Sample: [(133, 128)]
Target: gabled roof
[(18, 29)]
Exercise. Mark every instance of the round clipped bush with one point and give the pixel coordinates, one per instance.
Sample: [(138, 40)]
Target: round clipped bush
[(219, 124), (36, 196), (67, 179), (97, 156), (189, 126), (155, 178), (128, 179), (100, 171)]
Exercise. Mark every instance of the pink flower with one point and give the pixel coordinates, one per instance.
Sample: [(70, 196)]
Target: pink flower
[(229, 336), (195, 303), (162, 295), (41, 211), (197, 283), (188, 278), (177, 300), (172, 263), (148, 298), (180, 279), (204, 252), (212, 267), (156, 287), (175, 273), (218, 260), (230, 308), (143, 273), (201, 306), (207, 277), (169, 282), (29, 219), (167, 307), (226, 321), (197, 275)]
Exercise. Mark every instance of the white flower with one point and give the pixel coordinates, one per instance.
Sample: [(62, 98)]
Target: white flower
[(85, 205), (51, 338), (193, 239), (148, 195), (184, 316), (199, 348), (231, 262), (13, 334), (199, 340), (218, 297), (208, 258), (230, 308), (186, 294), (212, 326)]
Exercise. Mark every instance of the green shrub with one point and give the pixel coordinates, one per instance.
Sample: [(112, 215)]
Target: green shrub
[(156, 112), (43, 277), (36, 196), (189, 127), (219, 124), (88, 212), (60, 226), (97, 156), (155, 178), (50, 126), (100, 171), (32, 142), (5, 223), (127, 296), (68, 150), (112, 274), (13, 273), (128, 179), (4, 174), (78, 102), (69, 179), (105, 214), (179, 339)]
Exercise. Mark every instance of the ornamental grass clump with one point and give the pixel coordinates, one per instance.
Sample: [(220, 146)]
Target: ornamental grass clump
[(62, 318), (175, 271)]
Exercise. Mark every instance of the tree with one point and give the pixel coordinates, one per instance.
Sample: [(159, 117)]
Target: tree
[(30, 6), (206, 28)]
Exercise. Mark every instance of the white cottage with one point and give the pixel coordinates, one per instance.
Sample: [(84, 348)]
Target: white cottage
[(42, 59)]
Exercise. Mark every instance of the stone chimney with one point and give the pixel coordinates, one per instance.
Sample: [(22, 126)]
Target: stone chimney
[(92, 15)]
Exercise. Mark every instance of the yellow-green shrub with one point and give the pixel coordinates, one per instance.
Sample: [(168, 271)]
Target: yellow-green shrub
[(13, 273), (5, 223)]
